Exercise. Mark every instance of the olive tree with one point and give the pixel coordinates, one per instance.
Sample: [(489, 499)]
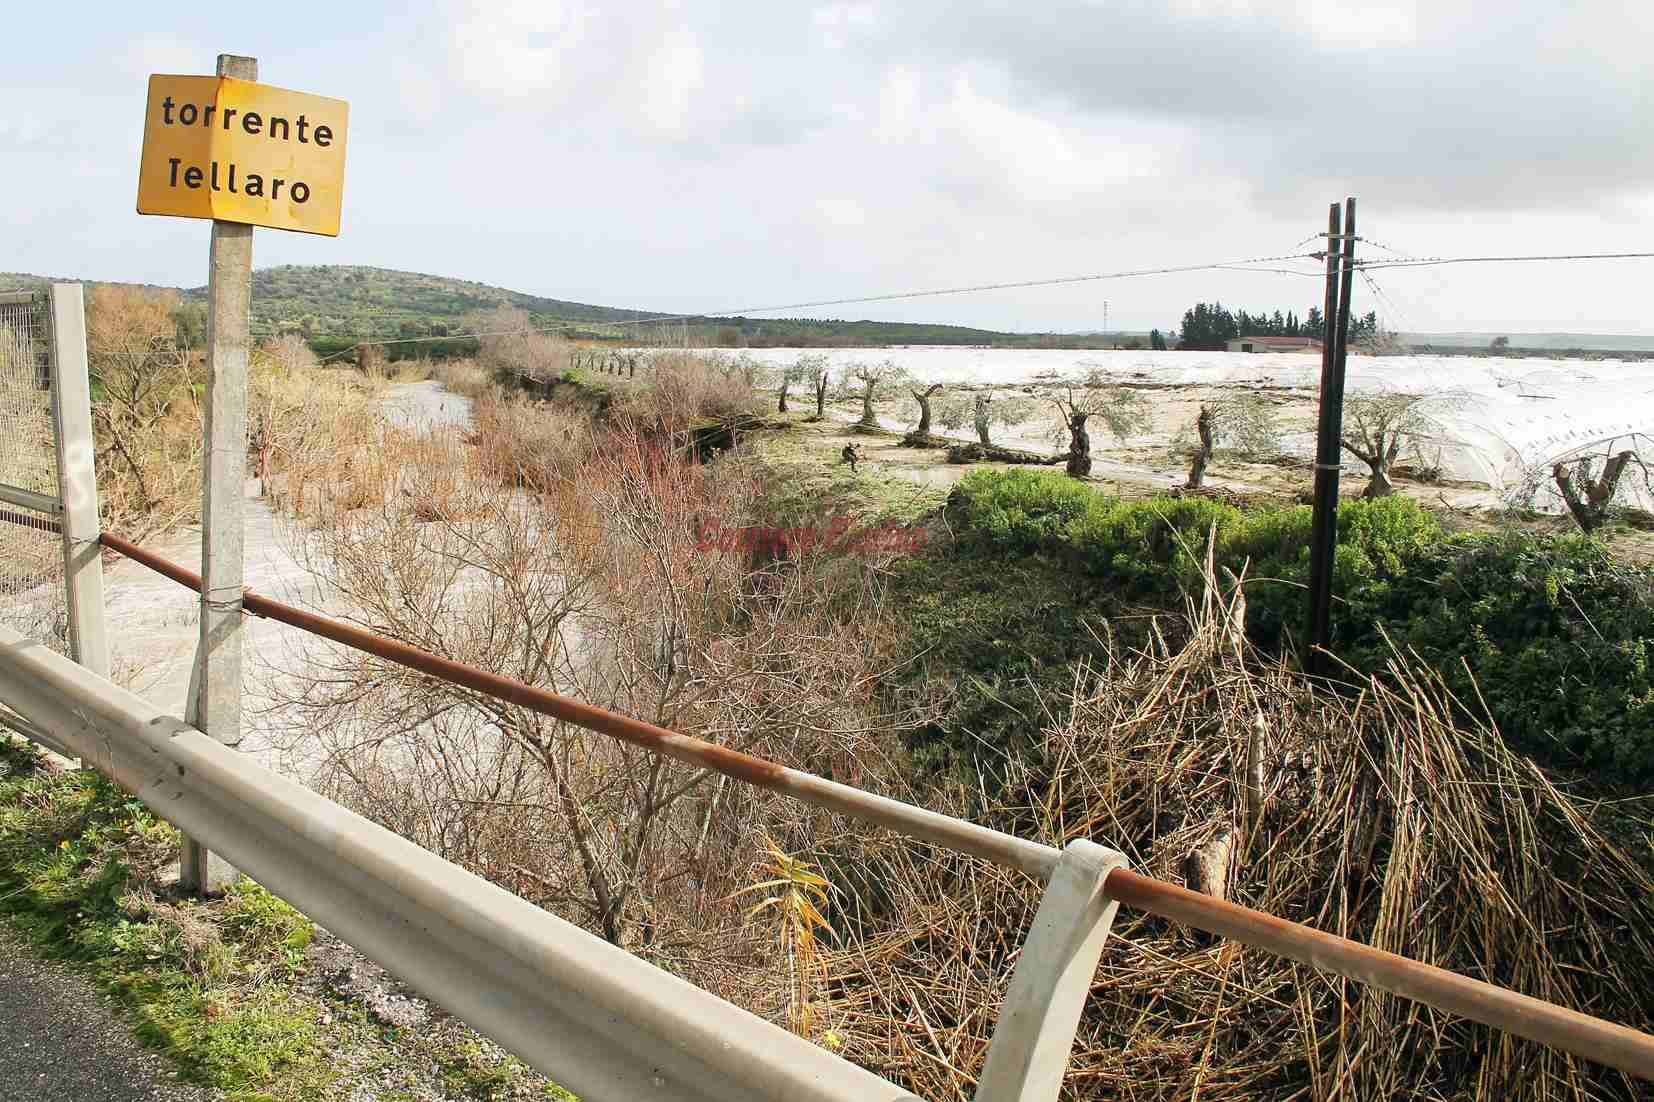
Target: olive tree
[(812, 370), (1122, 410), (871, 379), (1378, 423), (922, 392), (983, 410), (1247, 425)]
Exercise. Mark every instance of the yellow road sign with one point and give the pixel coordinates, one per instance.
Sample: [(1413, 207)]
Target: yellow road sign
[(240, 151)]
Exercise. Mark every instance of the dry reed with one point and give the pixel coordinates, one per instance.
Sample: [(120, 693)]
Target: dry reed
[(1373, 815)]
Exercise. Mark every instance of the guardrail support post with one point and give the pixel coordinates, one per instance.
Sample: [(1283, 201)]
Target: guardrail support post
[(77, 480), (1041, 1013)]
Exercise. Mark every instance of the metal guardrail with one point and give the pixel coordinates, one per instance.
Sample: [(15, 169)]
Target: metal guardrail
[(1084, 885), (602, 1022)]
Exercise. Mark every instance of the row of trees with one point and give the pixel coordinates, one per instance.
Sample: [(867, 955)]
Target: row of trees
[(1380, 427), (1211, 326)]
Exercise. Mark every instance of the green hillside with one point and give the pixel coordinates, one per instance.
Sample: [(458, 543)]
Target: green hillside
[(336, 306), (341, 301)]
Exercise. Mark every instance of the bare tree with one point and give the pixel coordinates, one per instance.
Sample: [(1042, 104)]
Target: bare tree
[(1122, 410), (513, 347), (1377, 424), (289, 353), (983, 410)]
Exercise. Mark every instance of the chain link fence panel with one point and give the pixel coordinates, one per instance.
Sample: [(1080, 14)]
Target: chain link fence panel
[(32, 598)]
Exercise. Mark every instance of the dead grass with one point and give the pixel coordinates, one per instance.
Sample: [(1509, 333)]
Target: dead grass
[(467, 377), (1370, 815)]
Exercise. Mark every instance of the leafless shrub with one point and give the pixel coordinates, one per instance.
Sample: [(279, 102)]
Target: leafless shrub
[(679, 389), (590, 582), (467, 377), (313, 435), (535, 445), (146, 418), (371, 362), (513, 347)]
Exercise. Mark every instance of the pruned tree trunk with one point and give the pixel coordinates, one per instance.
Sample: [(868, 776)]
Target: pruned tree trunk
[(1079, 446), (1203, 454), (868, 418), (1591, 510), (781, 403), (1378, 462), (923, 398), (821, 394), (982, 420)]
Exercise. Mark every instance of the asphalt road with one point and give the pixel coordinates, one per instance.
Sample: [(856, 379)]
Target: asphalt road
[(61, 1040)]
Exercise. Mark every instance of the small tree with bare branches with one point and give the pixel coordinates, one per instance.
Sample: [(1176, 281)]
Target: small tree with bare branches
[(513, 347)]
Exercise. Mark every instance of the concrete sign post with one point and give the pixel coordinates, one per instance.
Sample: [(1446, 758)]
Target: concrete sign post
[(242, 154)]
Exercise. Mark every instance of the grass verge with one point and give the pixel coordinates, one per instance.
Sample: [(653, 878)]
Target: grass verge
[(220, 986)]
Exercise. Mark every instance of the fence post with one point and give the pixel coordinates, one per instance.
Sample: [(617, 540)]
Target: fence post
[(77, 479), (215, 690), (1035, 1033)]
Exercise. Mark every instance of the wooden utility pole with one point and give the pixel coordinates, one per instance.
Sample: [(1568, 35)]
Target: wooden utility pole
[(215, 685), (1329, 432)]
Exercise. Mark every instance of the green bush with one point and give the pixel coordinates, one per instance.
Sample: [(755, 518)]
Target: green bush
[(1551, 633), (1556, 633)]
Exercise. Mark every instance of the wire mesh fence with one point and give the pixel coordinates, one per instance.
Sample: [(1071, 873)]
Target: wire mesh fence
[(32, 598)]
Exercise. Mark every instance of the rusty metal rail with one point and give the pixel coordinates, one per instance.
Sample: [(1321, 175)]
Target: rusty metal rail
[(1596, 1039)]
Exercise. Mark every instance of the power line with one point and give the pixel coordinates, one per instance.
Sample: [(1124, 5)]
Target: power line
[(1431, 261), (1236, 265), (1250, 265)]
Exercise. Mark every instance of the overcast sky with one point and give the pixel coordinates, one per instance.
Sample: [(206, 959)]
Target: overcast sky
[(715, 155)]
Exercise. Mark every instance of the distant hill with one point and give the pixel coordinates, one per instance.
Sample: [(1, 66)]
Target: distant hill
[(1548, 342), (335, 306)]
